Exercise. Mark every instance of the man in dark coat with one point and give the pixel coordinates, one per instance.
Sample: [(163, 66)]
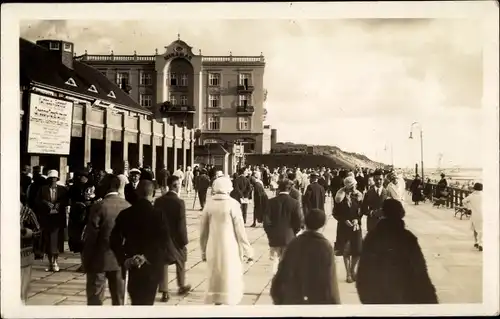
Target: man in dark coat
[(173, 211), (392, 268), (295, 194), (130, 188), (307, 273), (314, 196), (282, 221), (202, 183), (138, 241), (161, 178), (241, 192), (99, 261), (32, 191), (373, 200)]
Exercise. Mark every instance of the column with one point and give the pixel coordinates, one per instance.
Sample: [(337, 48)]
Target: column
[(139, 142), (165, 147), (86, 134), (175, 154), (63, 169), (184, 156), (34, 160), (125, 144), (107, 148), (191, 160), (153, 148)]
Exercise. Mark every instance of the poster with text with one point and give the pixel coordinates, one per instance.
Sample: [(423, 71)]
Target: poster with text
[(49, 130)]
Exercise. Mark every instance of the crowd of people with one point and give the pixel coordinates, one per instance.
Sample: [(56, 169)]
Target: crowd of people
[(128, 234)]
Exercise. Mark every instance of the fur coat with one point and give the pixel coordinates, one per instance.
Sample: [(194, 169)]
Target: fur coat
[(392, 268)]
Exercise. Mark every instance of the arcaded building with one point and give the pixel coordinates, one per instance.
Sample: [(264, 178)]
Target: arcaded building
[(72, 114), (221, 96)]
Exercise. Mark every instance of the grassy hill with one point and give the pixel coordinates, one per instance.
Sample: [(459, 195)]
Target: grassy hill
[(342, 157)]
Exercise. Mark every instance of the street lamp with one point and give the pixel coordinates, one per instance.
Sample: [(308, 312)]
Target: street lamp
[(421, 144)]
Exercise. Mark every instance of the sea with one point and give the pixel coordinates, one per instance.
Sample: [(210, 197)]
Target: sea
[(453, 175)]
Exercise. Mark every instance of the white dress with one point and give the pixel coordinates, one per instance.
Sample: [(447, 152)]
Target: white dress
[(224, 242)]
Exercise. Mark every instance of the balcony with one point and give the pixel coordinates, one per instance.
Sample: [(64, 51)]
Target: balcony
[(178, 88), (168, 108), (245, 110), (245, 89)]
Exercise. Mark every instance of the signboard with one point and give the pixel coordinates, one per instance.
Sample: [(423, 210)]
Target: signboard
[(49, 125)]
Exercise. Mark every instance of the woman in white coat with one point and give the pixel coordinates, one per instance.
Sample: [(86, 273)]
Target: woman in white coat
[(224, 244), (474, 202)]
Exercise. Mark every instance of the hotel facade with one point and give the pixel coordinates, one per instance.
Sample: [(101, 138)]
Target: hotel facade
[(71, 114), (221, 98)]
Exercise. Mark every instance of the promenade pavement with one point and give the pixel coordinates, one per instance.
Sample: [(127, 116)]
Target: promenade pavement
[(454, 265)]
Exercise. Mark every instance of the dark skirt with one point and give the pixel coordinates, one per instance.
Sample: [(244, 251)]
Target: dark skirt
[(417, 196), (348, 242), (53, 241)]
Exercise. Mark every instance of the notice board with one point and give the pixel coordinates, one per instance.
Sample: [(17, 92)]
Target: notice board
[(49, 125)]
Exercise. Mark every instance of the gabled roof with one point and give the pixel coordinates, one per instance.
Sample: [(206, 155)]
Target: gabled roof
[(38, 64)]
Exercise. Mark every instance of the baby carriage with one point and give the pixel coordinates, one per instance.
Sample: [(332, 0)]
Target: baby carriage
[(440, 199), (463, 212)]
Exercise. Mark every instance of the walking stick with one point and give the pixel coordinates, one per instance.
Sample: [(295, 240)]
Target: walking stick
[(125, 289), (194, 202)]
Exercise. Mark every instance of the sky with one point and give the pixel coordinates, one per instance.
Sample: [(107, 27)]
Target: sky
[(358, 84)]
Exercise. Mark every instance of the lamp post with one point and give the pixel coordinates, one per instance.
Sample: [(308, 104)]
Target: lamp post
[(421, 144)]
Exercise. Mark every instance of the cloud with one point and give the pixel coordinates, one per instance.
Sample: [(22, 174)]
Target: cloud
[(329, 77)]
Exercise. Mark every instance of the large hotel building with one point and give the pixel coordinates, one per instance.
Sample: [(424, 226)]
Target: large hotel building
[(221, 97)]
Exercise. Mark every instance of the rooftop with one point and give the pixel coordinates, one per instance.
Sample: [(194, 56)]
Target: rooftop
[(39, 65)]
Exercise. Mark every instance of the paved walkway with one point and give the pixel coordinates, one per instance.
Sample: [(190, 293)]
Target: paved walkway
[(455, 266)]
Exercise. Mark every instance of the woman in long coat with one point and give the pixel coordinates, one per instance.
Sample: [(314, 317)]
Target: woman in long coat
[(307, 272), (347, 211), (224, 244), (81, 195), (392, 268), (259, 199), (52, 201), (416, 190)]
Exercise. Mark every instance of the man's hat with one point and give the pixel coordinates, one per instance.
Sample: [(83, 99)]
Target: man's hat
[(314, 174), (134, 171)]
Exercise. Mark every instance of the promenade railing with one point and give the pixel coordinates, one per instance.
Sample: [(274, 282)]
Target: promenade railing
[(455, 196)]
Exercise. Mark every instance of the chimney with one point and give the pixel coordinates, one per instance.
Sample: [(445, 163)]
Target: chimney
[(62, 49)]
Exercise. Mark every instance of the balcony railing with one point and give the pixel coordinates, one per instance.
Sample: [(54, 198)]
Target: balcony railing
[(242, 109), (233, 59), (179, 88), (245, 88), (177, 108), (116, 58)]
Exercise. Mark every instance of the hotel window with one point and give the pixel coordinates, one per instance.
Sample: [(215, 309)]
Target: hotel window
[(146, 78), (54, 46), (173, 100), (214, 123), (184, 100), (146, 100), (184, 80), (244, 100), (173, 79), (214, 100), (214, 79), (244, 123), (245, 79), (122, 79)]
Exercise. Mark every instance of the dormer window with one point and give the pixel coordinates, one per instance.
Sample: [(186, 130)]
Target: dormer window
[(71, 82), (112, 94), (67, 47), (54, 46), (93, 89)]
